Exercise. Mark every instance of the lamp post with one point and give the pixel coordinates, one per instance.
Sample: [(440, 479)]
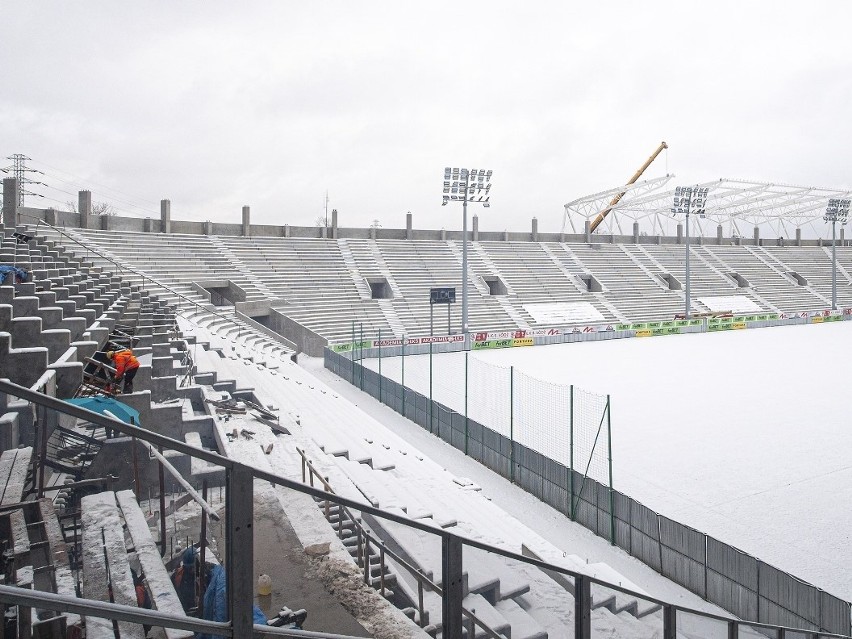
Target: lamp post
[(466, 185), (689, 199), (836, 211)]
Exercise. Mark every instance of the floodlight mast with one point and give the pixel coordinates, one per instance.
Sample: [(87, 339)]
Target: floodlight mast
[(466, 185), (689, 199), (836, 211)]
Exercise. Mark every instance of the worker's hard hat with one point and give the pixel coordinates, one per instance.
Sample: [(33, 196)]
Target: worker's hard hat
[(110, 354)]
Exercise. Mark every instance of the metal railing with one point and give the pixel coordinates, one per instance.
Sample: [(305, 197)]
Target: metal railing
[(363, 558), (239, 535)]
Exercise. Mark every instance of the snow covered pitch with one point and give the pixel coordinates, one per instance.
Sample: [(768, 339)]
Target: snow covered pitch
[(743, 435)]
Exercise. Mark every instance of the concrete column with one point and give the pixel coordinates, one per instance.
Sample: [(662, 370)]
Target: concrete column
[(334, 223), (443, 235), (719, 235), (475, 233), (286, 230), (165, 216), (105, 222), (798, 237), (588, 231), (699, 239), (842, 236), (679, 233), (505, 236), (10, 202), (372, 232), (757, 236), (50, 216), (535, 229), (408, 223), (561, 237), (148, 225), (84, 206), (208, 228), (246, 221), (636, 232)]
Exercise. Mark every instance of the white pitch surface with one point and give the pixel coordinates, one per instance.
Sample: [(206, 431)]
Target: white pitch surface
[(743, 435)]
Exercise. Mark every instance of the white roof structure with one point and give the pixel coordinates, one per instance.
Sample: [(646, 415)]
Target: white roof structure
[(738, 205)]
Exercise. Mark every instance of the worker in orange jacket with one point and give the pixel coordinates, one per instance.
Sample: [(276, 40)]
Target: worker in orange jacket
[(126, 366)]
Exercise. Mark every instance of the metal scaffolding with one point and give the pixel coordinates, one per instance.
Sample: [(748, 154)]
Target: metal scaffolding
[(736, 205)]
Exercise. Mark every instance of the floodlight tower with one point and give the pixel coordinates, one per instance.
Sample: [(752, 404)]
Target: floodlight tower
[(463, 185), (836, 211), (689, 199)]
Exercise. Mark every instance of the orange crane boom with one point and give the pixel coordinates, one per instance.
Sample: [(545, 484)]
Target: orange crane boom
[(600, 218)]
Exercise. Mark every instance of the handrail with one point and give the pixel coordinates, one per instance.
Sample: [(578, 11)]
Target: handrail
[(21, 392)]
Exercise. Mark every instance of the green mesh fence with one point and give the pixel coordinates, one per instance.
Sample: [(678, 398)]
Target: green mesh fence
[(565, 423)]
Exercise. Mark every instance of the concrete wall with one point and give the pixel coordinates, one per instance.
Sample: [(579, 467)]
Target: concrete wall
[(305, 339), (118, 223)]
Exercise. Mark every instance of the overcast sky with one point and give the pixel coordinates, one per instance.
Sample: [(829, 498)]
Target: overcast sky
[(215, 105)]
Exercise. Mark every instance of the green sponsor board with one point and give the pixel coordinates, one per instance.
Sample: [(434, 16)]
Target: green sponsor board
[(341, 348), (772, 316), (493, 343), (639, 327), (720, 327), (833, 318), (667, 330), (696, 322), (749, 318), (761, 318), (667, 324), (624, 327), (682, 323), (653, 324)]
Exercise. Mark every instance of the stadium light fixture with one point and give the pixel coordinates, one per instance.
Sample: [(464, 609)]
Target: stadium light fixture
[(466, 185), (836, 211), (689, 199)]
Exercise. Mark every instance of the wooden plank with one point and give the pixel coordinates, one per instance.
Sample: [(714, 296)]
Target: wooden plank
[(64, 581), (163, 595), (104, 553), (16, 481)]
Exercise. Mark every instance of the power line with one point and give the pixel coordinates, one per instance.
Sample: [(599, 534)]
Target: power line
[(131, 197)]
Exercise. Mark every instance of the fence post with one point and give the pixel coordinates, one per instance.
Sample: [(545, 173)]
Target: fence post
[(361, 358), (733, 630), (352, 354), (611, 495), (512, 424), (452, 586), (402, 381), (582, 607), (571, 512), (380, 365), (466, 432), (431, 402), (669, 622), (240, 550)]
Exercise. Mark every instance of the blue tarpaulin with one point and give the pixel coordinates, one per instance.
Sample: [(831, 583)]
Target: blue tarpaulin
[(13, 273), (98, 404), (216, 601)]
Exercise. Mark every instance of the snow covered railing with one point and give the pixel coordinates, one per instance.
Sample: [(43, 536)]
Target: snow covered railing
[(365, 539), (239, 552)]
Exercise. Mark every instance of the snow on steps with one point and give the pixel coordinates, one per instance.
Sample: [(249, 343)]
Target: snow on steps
[(613, 601)]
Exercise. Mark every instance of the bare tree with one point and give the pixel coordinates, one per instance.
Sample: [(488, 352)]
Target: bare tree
[(98, 208), (320, 221)]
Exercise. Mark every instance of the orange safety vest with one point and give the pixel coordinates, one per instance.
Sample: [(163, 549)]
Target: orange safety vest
[(124, 361)]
